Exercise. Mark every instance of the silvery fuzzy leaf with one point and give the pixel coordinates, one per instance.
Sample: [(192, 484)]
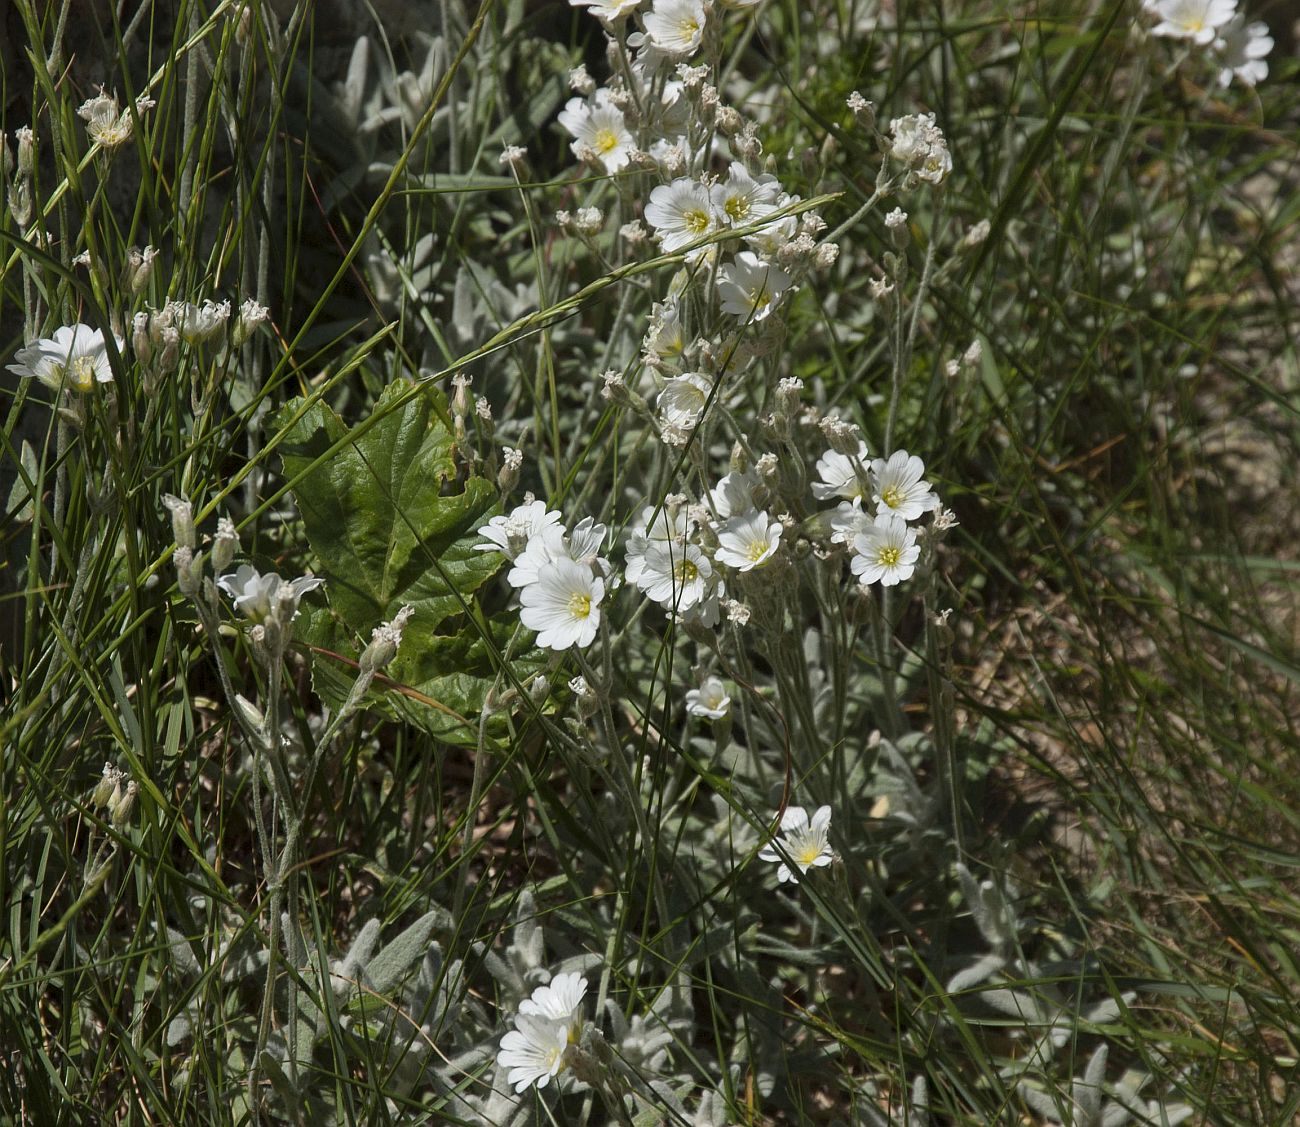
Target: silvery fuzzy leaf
[(1041, 1103), (990, 908), (397, 957), (1018, 1004), (361, 951), (353, 94), (178, 1030), (182, 954), (978, 972), (19, 504), (1110, 1009), (1087, 1091)]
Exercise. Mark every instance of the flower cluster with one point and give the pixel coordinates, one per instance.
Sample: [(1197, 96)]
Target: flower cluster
[(880, 498), (546, 1026), (560, 574), (1238, 48)]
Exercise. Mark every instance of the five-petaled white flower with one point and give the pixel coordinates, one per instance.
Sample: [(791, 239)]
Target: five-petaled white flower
[(748, 541), (750, 288), (680, 213), (742, 199), (683, 398), (709, 700), (510, 534), (675, 575), (804, 843), (76, 357), (841, 476), (599, 130), (607, 10), (1242, 49), (675, 27), (536, 1050), (258, 596), (899, 488), (563, 605), (886, 552), (1197, 20)]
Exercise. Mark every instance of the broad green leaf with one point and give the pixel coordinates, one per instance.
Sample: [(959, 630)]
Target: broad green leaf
[(378, 512)]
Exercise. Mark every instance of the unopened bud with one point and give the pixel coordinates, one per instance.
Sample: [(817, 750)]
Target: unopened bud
[(539, 689), (120, 811), (182, 520), (251, 714), (108, 783), (189, 571), (139, 269), (224, 545), (511, 461), (26, 143), (384, 641)]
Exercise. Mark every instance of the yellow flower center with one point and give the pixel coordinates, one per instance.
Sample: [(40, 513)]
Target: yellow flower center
[(689, 28), (762, 299), (580, 606), (892, 497), (889, 557), (737, 207), (757, 549), (80, 373), (605, 141), (696, 220), (686, 571), (809, 853)]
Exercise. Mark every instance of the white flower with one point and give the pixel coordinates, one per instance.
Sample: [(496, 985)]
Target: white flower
[(198, 323), (563, 605), (839, 475), (607, 10), (534, 1051), (804, 843), (886, 552), (106, 123), (709, 700), (675, 575), (1197, 20), (848, 519), (76, 357), (683, 398), (675, 27), (656, 526), (919, 144), (551, 543), (666, 336), (600, 131), (749, 288), (899, 488), (511, 534), (559, 1000), (748, 541), (769, 241), (741, 199), (256, 596), (734, 494), (680, 213), (1243, 47)]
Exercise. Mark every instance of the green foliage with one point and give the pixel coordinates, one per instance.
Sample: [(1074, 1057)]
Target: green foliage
[(392, 525)]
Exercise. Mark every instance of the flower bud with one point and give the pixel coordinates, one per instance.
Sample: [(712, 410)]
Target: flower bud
[(123, 804), (250, 712), (384, 641), (108, 783), (189, 572), (224, 545), (182, 520), (139, 269), (26, 144), (251, 315)]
